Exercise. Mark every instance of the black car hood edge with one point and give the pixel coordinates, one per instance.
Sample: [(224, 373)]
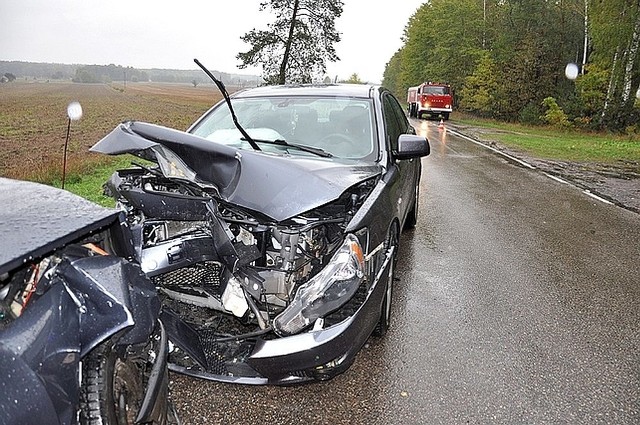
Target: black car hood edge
[(279, 187), (36, 219)]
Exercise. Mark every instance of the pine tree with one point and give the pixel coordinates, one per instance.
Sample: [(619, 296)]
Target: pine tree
[(296, 47)]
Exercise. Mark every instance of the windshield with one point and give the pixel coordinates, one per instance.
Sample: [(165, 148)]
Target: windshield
[(436, 90), (342, 127)]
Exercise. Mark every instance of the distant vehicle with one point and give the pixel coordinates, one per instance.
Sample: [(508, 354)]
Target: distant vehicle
[(430, 98), (272, 232)]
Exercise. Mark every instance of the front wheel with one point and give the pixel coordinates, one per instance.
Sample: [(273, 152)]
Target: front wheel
[(412, 217), (385, 314), (112, 387)]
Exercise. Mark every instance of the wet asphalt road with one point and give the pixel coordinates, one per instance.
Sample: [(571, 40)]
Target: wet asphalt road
[(518, 301)]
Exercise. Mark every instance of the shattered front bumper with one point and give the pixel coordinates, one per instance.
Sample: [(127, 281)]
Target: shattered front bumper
[(310, 356)]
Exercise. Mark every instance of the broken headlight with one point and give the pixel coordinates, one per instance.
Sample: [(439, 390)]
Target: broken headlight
[(325, 292)]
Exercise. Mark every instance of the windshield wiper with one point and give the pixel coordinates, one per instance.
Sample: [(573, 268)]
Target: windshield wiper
[(305, 148), (223, 90)]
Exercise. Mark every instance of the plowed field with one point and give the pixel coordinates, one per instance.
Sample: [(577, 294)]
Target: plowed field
[(33, 120)]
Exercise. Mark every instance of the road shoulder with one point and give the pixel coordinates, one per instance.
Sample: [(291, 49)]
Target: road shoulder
[(618, 183)]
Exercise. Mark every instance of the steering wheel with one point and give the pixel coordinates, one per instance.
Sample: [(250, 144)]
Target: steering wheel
[(337, 143)]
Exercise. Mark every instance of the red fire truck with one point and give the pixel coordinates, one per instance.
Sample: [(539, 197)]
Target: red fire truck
[(430, 98)]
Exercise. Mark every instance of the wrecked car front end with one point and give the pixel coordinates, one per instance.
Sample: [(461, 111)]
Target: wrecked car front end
[(272, 269)]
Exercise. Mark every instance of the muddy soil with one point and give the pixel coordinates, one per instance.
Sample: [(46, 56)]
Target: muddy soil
[(617, 182)]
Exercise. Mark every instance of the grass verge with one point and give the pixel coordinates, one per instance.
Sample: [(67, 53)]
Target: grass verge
[(559, 144), (89, 184)]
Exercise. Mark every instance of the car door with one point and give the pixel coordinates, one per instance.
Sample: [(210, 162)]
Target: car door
[(408, 170)]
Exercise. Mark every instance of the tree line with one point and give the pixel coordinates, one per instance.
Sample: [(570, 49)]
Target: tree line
[(22, 69), (506, 59), (12, 70), (108, 73)]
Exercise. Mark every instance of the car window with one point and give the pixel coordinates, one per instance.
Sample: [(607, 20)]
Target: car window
[(341, 126), (395, 121)]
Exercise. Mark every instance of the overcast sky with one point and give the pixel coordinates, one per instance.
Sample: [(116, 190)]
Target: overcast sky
[(169, 34)]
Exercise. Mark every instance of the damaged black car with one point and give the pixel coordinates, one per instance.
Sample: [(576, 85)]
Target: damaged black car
[(271, 227)]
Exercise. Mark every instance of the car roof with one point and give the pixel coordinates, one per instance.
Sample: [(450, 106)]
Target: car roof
[(321, 90)]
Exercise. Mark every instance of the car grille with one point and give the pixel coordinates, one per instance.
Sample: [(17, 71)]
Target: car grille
[(223, 358), (205, 274)]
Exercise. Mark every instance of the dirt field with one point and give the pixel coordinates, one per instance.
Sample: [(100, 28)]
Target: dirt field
[(33, 120)]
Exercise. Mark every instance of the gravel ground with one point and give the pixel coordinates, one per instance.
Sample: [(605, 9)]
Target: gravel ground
[(617, 182)]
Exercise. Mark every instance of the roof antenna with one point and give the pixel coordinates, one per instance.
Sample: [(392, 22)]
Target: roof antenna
[(221, 87)]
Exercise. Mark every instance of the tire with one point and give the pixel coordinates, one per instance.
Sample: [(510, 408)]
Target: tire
[(446, 116), (385, 312), (412, 217), (112, 387)]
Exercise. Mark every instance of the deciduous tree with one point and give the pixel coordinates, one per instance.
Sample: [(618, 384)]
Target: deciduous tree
[(479, 92), (353, 79), (529, 43), (443, 40), (615, 28), (391, 77)]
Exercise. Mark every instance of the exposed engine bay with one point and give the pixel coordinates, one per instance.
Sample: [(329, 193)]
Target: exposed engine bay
[(221, 258)]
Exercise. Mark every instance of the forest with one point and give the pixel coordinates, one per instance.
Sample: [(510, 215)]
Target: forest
[(506, 59)]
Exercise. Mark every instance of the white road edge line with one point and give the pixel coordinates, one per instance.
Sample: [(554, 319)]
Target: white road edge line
[(519, 161), (597, 197), (558, 179)]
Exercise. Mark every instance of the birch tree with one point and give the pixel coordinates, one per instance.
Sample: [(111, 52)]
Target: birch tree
[(615, 28)]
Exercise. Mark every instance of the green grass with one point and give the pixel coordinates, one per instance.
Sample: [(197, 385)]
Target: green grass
[(33, 127), (575, 147), (560, 144), (89, 184)]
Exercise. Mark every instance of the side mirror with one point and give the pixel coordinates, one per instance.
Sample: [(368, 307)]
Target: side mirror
[(411, 146)]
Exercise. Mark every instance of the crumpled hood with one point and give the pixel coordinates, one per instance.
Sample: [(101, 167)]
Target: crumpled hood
[(277, 186)]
